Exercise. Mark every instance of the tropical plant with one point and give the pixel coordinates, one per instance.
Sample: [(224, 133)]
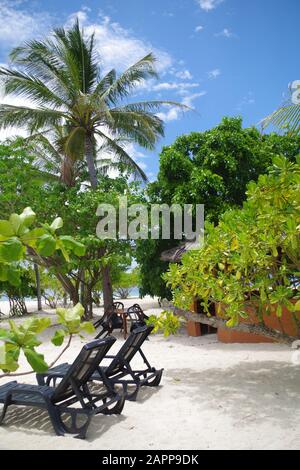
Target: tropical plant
[(24, 338), (251, 259), (20, 241), (287, 116), (166, 323), (211, 168), (125, 282), (60, 76), (16, 294)]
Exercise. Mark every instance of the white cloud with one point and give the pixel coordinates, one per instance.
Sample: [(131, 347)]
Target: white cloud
[(17, 25), (209, 5), (188, 100), (214, 73), (171, 115), (226, 33), (177, 86), (199, 28), (184, 75), (118, 48), (247, 100), (174, 112)]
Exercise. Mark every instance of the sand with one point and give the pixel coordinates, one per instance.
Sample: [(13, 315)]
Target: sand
[(212, 396)]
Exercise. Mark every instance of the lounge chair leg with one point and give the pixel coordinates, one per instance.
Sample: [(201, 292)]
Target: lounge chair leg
[(117, 408), (133, 396), (156, 381), (55, 420), (4, 409), (73, 428)]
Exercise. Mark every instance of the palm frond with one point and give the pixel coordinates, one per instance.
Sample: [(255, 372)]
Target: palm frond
[(286, 118), (33, 119), (21, 84), (142, 127), (122, 156), (128, 80)]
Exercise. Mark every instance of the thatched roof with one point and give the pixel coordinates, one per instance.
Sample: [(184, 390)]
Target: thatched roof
[(174, 255)]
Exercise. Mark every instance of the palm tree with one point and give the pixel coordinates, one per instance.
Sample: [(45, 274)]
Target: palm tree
[(52, 161), (287, 116), (60, 76)]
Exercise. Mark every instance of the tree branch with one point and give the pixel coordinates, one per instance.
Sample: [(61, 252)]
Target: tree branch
[(217, 322)]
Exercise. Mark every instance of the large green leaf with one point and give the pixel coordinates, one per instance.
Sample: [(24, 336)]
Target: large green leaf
[(57, 223), (36, 325), (27, 217), (36, 360), (88, 327), (11, 250), (16, 223), (58, 337), (73, 245), (46, 245), (6, 228)]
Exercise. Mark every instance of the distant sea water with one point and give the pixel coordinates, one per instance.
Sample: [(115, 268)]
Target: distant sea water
[(133, 293)]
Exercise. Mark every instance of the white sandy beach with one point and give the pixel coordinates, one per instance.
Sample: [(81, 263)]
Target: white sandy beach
[(212, 396)]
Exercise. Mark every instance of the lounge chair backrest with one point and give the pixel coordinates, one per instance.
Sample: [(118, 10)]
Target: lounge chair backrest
[(129, 349), (118, 306), (136, 313), (83, 367)]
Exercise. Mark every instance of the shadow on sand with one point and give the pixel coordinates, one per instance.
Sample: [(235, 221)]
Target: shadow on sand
[(260, 391)]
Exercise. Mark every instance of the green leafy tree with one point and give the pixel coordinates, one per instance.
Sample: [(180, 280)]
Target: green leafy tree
[(16, 294), (80, 275), (211, 168), (251, 259), (125, 282)]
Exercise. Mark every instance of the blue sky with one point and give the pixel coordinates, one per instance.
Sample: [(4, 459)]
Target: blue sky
[(222, 57)]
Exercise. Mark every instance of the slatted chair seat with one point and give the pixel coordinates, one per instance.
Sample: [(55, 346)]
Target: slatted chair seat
[(119, 370), (73, 389)]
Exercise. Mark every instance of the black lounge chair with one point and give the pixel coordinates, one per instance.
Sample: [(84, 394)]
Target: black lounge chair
[(110, 320), (136, 316), (73, 388), (119, 371)]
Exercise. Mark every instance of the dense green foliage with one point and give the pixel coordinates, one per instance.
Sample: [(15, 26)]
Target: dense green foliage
[(125, 282), (79, 276), (211, 168), (253, 256)]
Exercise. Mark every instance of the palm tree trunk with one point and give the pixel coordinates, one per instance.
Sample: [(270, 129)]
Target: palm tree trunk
[(38, 287), (89, 156)]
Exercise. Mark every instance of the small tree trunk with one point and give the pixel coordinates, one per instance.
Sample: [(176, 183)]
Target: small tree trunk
[(17, 307), (107, 288), (38, 287), (82, 287), (89, 156)]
